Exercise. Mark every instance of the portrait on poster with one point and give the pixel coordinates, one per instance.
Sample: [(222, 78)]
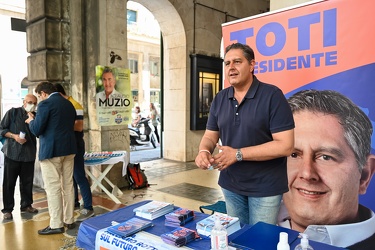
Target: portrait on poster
[(113, 95)]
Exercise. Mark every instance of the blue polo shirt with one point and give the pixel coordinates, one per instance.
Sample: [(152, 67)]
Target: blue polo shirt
[(263, 111)]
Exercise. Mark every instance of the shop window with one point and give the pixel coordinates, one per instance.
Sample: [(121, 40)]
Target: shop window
[(206, 82)]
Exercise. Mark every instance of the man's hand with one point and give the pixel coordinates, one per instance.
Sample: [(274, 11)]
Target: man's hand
[(204, 160), (18, 139), (31, 117), (225, 157)]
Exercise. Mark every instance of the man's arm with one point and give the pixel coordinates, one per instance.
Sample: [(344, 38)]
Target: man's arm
[(78, 125), (206, 147), (39, 123), (282, 145), (209, 140)]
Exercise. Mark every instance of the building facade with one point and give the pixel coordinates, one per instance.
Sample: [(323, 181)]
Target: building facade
[(66, 39)]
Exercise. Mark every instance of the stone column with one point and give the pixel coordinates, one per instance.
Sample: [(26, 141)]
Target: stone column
[(48, 42), (66, 39), (106, 31)]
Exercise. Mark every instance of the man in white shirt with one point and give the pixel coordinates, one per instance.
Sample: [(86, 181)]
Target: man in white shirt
[(109, 97), (329, 167)]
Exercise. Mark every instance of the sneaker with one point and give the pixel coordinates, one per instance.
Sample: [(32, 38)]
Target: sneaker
[(85, 214)]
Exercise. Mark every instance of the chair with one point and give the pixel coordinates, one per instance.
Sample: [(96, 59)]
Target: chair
[(217, 207)]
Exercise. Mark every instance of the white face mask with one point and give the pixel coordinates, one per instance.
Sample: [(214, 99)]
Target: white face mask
[(30, 108)]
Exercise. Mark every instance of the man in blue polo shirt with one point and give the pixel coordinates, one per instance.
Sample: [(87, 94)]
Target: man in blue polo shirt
[(255, 125)]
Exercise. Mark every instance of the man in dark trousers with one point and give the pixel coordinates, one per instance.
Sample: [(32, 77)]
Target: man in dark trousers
[(54, 125), (79, 164), (19, 157)]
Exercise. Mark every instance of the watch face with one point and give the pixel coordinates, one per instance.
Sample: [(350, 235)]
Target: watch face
[(239, 155)]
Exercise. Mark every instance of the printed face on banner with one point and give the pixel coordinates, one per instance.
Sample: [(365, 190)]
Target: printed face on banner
[(113, 96)]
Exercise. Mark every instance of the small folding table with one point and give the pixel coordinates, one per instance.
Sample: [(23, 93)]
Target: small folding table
[(110, 158)]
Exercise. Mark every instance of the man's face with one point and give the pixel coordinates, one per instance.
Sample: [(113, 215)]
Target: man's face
[(109, 82), (29, 100), (42, 96), (237, 68), (323, 176)]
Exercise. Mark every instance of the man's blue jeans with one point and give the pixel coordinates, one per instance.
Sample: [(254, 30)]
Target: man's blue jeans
[(80, 175), (251, 210)]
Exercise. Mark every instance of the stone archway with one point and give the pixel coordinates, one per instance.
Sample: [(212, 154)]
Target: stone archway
[(175, 82)]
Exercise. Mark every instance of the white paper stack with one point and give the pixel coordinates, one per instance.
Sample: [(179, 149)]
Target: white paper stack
[(153, 209)]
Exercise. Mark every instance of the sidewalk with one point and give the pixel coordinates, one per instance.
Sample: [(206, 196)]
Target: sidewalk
[(145, 153)]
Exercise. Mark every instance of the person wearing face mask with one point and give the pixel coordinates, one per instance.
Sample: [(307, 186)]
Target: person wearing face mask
[(19, 157)]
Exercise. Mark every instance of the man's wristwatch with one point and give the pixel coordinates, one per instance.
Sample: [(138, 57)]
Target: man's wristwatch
[(239, 155)]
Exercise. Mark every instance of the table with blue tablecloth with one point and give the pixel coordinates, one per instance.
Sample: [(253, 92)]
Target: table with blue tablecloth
[(92, 234), (88, 229)]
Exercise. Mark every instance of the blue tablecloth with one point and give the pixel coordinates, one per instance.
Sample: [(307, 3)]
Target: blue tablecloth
[(260, 236), (88, 228)]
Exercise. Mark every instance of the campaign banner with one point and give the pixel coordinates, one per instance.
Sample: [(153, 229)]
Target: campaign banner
[(323, 45), (113, 96)]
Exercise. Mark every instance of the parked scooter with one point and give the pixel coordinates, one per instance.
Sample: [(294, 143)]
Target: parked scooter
[(142, 134)]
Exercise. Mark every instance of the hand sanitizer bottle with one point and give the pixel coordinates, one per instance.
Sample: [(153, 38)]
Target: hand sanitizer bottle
[(304, 245), (219, 236), (283, 242)]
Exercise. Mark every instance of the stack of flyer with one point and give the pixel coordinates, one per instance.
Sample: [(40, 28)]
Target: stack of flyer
[(153, 209), (204, 227), (179, 217), (129, 227), (179, 236)]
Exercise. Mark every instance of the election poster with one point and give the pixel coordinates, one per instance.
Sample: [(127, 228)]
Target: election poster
[(323, 45), (113, 96)]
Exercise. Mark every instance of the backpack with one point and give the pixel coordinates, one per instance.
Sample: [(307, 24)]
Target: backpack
[(136, 176)]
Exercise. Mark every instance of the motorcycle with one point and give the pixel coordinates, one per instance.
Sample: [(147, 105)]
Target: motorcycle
[(142, 134)]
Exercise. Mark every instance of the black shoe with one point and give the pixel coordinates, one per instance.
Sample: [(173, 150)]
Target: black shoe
[(77, 205), (8, 216), (30, 209), (70, 226), (49, 230)]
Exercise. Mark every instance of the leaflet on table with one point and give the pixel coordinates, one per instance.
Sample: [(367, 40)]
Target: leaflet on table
[(130, 227), (179, 236), (140, 241), (179, 217), (205, 226), (153, 209)]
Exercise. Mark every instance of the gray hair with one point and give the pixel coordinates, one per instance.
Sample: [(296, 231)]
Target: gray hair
[(355, 123)]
